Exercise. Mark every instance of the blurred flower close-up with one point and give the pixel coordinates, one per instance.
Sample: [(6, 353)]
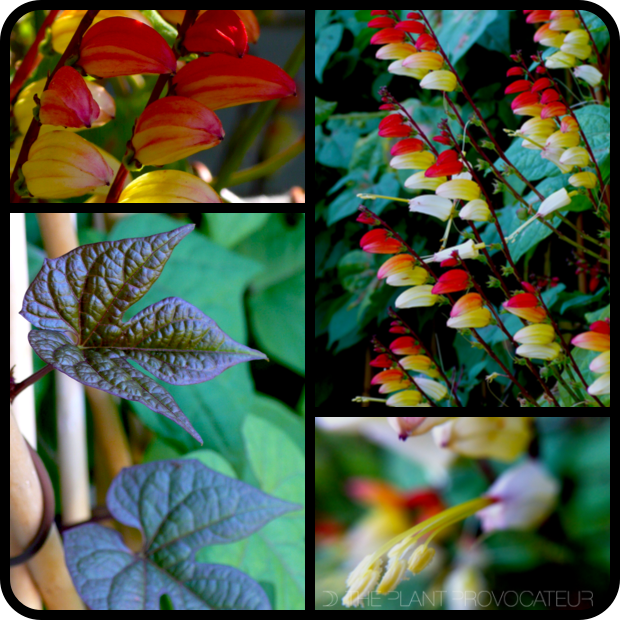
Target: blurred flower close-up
[(504, 513)]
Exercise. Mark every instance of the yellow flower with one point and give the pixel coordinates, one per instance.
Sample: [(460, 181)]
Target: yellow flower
[(501, 438)]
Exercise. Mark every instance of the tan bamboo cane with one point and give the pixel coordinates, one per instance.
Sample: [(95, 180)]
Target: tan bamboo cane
[(47, 567), (59, 237)]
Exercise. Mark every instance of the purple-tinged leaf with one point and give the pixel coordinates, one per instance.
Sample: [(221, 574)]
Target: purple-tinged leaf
[(179, 506), (78, 301)]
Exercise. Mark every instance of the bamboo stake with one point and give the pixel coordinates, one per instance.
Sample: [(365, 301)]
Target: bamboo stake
[(47, 567), (59, 237), (20, 351)]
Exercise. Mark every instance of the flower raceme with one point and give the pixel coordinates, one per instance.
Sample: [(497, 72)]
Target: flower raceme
[(447, 185)]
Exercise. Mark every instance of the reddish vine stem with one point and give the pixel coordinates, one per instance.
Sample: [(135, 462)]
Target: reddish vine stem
[(119, 181), (32, 58), (33, 132), (20, 387)]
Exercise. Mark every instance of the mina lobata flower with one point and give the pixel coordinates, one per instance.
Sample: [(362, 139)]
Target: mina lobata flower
[(407, 427), (173, 128), (169, 186), (469, 312), (122, 46), (526, 495), (218, 31), (61, 164), (598, 339), (68, 102), (501, 438), (222, 81)]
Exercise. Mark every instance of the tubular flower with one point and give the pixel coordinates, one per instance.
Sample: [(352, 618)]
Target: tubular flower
[(391, 381), (451, 282), (526, 494), (122, 46), (583, 179), (448, 164), (68, 102), (420, 363), (476, 211), (405, 345), (413, 161), (537, 342), (406, 398), (441, 208), (25, 105), (218, 31), (409, 427), (419, 181), (221, 81), (525, 306), (394, 126), (598, 339), (426, 61), (439, 80), (555, 201), (417, 297), (588, 74), (247, 17), (401, 270), (408, 550), (64, 27), (173, 128), (469, 312), (380, 241), (465, 250), (575, 156), (169, 186), (503, 439), (61, 164), (459, 189)]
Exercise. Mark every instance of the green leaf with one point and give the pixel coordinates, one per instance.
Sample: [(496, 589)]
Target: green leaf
[(178, 506), (78, 301), (276, 554), (323, 110)]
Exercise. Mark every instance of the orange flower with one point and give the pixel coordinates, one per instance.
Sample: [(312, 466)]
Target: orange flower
[(221, 81), (173, 128)]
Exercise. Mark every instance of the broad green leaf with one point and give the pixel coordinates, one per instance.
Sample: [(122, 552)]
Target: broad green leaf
[(78, 300), (276, 554), (178, 506)]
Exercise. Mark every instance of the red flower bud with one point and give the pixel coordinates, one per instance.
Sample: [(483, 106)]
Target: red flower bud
[(68, 102), (173, 128), (221, 81), (218, 31), (122, 46)]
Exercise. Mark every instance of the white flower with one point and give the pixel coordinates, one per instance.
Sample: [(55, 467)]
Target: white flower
[(527, 494)]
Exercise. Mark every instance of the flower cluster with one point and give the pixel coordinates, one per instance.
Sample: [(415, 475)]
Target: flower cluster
[(208, 68), (448, 185)]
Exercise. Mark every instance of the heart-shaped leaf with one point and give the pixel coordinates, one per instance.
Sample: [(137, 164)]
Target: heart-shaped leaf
[(179, 506), (78, 301)]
